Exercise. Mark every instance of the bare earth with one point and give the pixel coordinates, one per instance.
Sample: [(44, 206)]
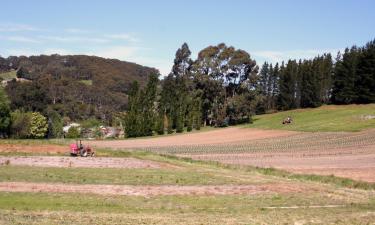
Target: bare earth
[(355, 166), (219, 136), (89, 162), (33, 148), (154, 190)]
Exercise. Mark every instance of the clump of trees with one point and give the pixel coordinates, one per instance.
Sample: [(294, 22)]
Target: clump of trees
[(28, 125), (19, 124), (350, 79), (217, 89)]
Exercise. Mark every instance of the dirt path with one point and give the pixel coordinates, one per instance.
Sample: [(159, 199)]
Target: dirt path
[(154, 190), (33, 148), (94, 162), (218, 136)]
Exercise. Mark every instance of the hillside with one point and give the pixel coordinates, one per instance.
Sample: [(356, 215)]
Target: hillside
[(325, 118), (8, 75), (76, 86)]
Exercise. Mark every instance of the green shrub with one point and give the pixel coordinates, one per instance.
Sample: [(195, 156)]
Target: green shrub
[(73, 132), (20, 124), (38, 126)]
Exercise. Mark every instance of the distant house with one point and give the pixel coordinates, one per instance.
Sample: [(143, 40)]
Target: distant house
[(67, 127), (4, 83)]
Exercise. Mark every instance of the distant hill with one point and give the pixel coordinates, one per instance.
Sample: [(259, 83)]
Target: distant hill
[(77, 86)]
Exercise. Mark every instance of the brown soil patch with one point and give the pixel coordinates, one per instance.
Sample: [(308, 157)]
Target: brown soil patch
[(154, 190), (218, 136), (89, 162), (347, 162), (33, 148)]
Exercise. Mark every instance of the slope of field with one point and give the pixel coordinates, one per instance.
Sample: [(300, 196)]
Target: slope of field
[(189, 193), (325, 118), (217, 136), (8, 75)]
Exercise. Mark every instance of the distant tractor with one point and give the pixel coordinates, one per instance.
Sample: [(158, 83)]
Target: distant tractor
[(288, 120), (78, 149)]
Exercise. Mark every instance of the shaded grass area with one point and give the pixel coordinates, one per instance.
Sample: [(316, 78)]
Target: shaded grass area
[(43, 208), (325, 118), (8, 75), (36, 141), (169, 176), (176, 204)]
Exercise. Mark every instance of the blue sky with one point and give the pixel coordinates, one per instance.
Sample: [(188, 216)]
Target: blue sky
[(149, 32)]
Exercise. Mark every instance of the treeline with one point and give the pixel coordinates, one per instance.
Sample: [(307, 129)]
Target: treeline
[(222, 86), (350, 79), (216, 89)]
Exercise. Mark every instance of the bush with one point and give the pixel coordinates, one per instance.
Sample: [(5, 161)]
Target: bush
[(55, 125), (38, 125), (73, 132), (5, 118), (20, 124)]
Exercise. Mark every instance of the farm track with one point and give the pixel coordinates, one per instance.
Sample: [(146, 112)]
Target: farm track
[(78, 162), (138, 190)]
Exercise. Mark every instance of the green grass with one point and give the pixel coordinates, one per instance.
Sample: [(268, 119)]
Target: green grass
[(181, 176), (8, 75), (356, 205), (86, 82), (325, 118), (43, 208)]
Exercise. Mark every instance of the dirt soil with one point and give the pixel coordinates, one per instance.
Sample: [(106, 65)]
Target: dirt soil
[(155, 190), (89, 162), (355, 163), (219, 136), (33, 148)]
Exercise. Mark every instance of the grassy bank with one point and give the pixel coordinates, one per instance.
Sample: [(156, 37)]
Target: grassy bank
[(325, 118)]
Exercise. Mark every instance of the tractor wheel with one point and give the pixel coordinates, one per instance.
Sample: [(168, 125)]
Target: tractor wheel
[(84, 154)]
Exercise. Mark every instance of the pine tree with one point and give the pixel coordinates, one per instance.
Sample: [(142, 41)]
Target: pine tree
[(287, 86), (365, 83), (132, 123), (147, 104), (345, 77)]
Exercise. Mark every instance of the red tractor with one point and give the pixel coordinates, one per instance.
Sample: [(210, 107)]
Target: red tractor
[(78, 149)]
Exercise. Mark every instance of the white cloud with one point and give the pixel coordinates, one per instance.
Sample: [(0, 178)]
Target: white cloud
[(73, 39), (12, 27), (77, 31), (22, 39), (115, 52), (279, 56), (123, 36)]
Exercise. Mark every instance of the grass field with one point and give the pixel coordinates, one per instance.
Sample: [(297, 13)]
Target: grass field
[(312, 200), (8, 75), (325, 118)]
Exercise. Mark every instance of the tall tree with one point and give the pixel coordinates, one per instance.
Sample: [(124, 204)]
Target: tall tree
[(5, 118), (345, 77), (132, 123), (365, 84), (287, 86), (148, 111)]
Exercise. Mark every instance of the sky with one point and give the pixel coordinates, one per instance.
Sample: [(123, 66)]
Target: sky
[(149, 32)]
